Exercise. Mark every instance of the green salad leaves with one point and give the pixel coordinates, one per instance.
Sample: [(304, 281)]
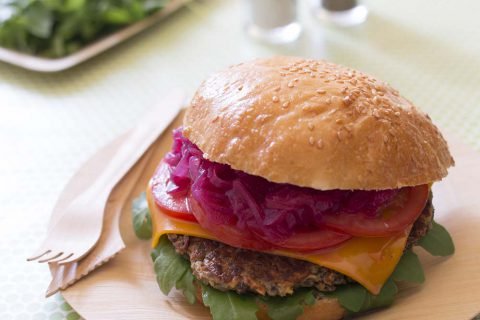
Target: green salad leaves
[(173, 270), (55, 28), (142, 222)]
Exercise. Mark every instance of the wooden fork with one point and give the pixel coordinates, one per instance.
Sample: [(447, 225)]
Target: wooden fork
[(79, 227)]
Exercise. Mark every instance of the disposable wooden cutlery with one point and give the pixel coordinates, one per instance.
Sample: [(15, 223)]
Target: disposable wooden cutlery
[(78, 229)]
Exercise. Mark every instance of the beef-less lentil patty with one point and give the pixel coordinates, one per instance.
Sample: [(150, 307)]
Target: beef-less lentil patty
[(227, 268)]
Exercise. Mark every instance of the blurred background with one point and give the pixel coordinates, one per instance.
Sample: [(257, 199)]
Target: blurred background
[(52, 122)]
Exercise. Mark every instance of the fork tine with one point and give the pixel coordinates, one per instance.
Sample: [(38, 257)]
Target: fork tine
[(71, 258), (38, 255), (51, 256), (60, 258)]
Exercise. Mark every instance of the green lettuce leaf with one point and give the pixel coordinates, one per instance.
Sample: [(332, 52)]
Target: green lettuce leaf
[(173, 270), (229, 305), (438, 241), (142, 222), (409, 269), (290, 307)]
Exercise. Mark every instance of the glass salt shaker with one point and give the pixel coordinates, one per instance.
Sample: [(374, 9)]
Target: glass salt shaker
[(273, 21)]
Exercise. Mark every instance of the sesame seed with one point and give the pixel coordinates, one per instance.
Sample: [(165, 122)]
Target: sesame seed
[(311, 141), (338, 121), (290, 85), (275, 99), (296, 79), (277, 89), (397, 114), (340, 135), (347, 100), (344, 90), (321, 91), (240, 88), (310, 126), (285, 104), (320, 144), (312, 75)]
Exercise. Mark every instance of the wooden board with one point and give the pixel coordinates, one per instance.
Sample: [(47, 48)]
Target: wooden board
[(41, 64), (125, 288)]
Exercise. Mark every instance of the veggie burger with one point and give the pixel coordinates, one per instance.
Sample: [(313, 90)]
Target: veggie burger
[(296, 189)]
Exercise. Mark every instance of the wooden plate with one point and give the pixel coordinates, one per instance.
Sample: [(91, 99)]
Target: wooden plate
[(37, 63), (125, 288)]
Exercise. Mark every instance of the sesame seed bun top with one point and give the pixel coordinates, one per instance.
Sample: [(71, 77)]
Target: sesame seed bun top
[(315, 124)]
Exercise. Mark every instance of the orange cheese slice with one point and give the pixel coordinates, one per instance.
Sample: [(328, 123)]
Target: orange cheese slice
[(369, 261)]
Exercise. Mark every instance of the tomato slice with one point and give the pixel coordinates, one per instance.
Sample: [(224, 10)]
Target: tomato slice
[(228, 234), (176, 207), (304, 241), (396, 217), (314, 240)]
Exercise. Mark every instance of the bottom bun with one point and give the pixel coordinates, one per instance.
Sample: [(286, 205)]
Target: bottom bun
[(323, 309)]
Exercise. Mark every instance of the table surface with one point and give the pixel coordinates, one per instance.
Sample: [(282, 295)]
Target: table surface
[(51, 123)]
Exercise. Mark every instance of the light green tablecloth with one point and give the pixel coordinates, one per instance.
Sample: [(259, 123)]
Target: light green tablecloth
[(51, 123)]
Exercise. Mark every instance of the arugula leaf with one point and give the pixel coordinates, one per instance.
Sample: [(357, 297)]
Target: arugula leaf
[(351, 296), (229, 304), (142, 222), (409, 269), (187, 285), (288, 308), (385, 297), (172, 270), (39, 20), (438, 241), (355, 298)]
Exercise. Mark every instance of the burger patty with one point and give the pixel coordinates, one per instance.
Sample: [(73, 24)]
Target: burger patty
[(228, 268)]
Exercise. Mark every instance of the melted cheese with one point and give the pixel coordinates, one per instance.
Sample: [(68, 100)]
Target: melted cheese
[(369, 261)]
